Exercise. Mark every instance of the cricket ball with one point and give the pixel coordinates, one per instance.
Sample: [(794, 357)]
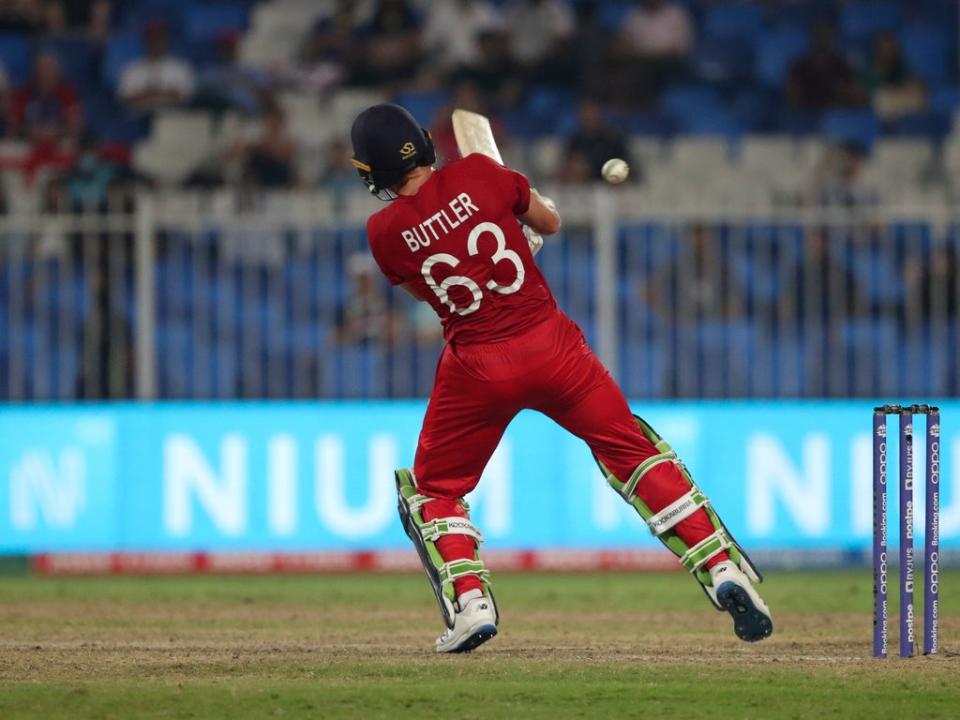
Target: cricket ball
[(615, 171)]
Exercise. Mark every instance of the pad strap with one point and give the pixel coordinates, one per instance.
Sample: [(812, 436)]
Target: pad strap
[(677, 511), (416, 501), (642, 469), (458, 568), (432, 530), (697, 556)]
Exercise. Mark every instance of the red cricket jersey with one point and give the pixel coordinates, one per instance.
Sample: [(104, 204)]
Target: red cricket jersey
[(459, 246)]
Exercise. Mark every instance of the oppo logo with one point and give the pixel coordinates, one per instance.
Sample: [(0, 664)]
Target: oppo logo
[(883, 463), (934, 462), (883, 573), (933, 581)]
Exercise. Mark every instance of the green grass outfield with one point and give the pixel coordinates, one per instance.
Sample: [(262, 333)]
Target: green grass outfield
[(583, 646)]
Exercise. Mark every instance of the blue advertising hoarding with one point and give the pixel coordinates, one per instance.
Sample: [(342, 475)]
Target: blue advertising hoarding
[(319, 476)]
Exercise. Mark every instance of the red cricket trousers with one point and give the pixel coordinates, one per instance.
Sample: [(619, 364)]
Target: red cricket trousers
[(550, 368)]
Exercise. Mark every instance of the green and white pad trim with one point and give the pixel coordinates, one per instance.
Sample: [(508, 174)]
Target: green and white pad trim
[(662, 523), (425, 535)]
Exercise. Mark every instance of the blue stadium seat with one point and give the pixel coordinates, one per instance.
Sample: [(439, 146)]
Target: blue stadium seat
[(119, 51), (15, 56), (643, 369), (612, 13), (926, 360), (945, 100), (109, 121), (877, 274), (718, 122), (776, 51), (797, 122), (79, 60), (754, 109), (742, 22), (356, 371), (206, 22), (850, 126), (724, 351), (862, 19), (926, 49), (933, 125), (550, 107), (788, 368), (722, 59), (687, 100), (423, 105), (645, 123), (134, 15), (866, 342), (802, 14)]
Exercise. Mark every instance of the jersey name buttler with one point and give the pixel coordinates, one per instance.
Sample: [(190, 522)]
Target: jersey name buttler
[(461, 207)]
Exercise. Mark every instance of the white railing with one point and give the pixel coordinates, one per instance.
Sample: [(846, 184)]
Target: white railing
[(217, 296)]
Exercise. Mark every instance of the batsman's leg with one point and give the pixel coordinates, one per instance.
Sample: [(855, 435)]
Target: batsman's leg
[(461, 429), (471, 614), (729, 582), (642, 467)]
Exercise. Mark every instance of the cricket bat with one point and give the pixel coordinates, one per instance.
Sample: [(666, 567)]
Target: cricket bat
[(474, 135)]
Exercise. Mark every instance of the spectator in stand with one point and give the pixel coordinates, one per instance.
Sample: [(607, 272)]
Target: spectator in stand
[(391, 45), (46, 110), (822, 78), (590, 46), (90, 18), (592, 144), (366, 317), (340, 176), (159, 80), (540, 31), (91, 182), (495, 73), (839, 180), (4, 98), (230, 84), (824, 290), (451, 31), (654, 47), (46, 113), (21, 16), (575, 169), (326, 55), (659, 30), (892, 87), (934, 281), (711, 293), (267, 161)]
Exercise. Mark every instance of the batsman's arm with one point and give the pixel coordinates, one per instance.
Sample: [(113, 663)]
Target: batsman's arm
[(541, 215)]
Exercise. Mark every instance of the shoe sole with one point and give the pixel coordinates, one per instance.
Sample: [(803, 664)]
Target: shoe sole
[(749, 622), (477, 638)]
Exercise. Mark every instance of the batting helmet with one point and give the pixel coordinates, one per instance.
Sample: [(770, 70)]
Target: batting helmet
[(387, 144)]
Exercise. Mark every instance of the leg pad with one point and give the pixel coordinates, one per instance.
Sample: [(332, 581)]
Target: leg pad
[(424, 535), (661, 524)]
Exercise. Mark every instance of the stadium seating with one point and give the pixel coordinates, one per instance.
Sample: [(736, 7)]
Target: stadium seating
[(722, 137)]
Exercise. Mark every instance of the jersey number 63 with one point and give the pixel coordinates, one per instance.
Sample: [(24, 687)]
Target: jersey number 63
[(502, 254)]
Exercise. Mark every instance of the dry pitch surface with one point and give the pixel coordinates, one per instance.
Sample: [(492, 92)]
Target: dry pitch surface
[(589, 646)]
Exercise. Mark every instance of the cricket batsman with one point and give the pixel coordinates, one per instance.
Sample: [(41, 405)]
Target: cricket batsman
[(451, 238)]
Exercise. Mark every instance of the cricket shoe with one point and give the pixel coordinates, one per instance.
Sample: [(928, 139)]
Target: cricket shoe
[(472, 626), (736, 595)]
